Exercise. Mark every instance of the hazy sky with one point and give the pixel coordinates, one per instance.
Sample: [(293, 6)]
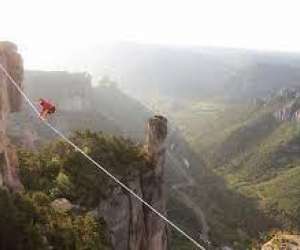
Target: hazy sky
[(47, 31)]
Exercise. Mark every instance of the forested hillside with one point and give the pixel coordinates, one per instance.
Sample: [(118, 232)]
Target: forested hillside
[(61, 191), (254, 147)]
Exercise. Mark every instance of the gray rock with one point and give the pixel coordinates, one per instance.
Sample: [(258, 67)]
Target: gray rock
[(10, 101), (131, 225)]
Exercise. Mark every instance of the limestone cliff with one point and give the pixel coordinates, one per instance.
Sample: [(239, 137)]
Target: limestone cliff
[(10, 101), (289, 105), (74, 98), (289, 112), (133, 226), (70, 91)]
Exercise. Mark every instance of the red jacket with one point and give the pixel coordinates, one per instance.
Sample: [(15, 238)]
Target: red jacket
[(46, 104)]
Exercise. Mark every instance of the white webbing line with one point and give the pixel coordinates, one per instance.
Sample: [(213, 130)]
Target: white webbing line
[(97, 164)]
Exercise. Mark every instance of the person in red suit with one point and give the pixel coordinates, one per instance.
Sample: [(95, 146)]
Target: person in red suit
[(47, 108)]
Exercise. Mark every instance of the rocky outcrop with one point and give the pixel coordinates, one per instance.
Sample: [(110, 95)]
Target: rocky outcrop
[(133, 226), (289, 105), (153, 184), (288, 93), (10, 101), (284, 241), (289, 112), (69, 91), (285, 114), (62, 204), (13, 63)]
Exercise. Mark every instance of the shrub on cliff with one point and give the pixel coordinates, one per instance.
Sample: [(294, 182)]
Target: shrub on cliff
[(29, 222), (60, 171)]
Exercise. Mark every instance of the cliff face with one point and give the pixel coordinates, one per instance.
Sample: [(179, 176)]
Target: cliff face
[(70, 91), (153, 183), (133, 226), (10, 101), (290, 111), (284, 241), (73, 96)]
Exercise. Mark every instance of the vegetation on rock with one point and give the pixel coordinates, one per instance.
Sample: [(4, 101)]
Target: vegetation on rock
[(28, 221)]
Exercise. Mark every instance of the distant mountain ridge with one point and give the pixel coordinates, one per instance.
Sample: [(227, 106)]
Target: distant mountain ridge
[(148, 70)]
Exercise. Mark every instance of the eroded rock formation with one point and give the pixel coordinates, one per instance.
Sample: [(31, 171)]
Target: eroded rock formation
[(133, 226), (283, 241), (153, 183), (10, 101), (289, 112), (289, 101)]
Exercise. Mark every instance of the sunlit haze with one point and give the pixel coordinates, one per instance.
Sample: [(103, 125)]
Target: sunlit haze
[(47, 32)]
